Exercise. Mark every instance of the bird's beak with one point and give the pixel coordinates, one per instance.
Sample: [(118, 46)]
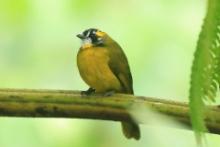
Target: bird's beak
[(81, 36)]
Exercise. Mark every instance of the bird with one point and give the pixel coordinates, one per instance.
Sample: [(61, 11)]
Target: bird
[(104, 67)]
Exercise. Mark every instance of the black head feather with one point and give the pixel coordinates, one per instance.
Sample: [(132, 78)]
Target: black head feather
[(91, 34)]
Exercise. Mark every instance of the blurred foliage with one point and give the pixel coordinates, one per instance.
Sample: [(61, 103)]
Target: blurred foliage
[(205, 76), (38, 49), (14, 12)]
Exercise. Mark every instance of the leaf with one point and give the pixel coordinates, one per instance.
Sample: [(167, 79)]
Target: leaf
[(205, 74)]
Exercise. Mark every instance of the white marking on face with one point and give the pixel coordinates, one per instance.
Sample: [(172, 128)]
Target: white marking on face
[(93, 32), (87, 35), (86, 42)]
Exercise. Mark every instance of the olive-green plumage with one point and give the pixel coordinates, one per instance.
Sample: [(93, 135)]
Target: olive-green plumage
[(104, 67)]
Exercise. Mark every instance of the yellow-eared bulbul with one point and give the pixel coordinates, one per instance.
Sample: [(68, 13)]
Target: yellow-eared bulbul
[(104, 67)]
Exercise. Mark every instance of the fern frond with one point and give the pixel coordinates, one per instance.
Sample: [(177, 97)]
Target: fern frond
[(205, 75)]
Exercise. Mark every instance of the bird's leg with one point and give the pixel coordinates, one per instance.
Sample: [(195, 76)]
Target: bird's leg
[(88, 92), (109, 93)]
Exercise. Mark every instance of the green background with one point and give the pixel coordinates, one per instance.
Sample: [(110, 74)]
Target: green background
[(38, 49)]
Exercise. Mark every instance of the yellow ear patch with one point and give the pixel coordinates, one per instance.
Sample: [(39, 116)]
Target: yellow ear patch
[(100, 34)]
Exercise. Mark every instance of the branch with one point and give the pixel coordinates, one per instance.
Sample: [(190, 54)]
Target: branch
[(70, 104)]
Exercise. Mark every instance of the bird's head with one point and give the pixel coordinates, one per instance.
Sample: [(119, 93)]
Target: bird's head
[(92, 37)]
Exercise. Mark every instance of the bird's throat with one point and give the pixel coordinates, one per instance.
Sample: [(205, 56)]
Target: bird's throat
[(86, 43)]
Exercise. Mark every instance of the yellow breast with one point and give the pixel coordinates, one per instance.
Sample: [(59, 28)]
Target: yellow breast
[(94, 69)]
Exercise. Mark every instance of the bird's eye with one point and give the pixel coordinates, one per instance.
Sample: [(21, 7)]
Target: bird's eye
[(92, 35)]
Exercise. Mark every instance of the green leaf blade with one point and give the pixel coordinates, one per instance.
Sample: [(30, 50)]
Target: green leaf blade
[(205, 75)]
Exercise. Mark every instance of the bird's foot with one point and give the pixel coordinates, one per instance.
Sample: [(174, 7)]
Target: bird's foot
[(88, 92), (109, 93)]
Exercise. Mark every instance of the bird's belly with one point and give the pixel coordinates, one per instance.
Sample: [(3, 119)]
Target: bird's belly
[(94, 70)]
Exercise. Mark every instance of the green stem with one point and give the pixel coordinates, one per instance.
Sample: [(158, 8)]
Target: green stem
[(70, 104)]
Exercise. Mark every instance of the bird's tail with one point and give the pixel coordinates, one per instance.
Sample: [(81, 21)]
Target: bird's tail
[(131, 130)]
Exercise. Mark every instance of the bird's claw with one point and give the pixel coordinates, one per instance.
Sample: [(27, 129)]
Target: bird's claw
[(88, 92), (109, 93)]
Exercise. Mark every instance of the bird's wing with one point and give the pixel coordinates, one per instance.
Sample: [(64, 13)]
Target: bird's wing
[(119, 66)]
